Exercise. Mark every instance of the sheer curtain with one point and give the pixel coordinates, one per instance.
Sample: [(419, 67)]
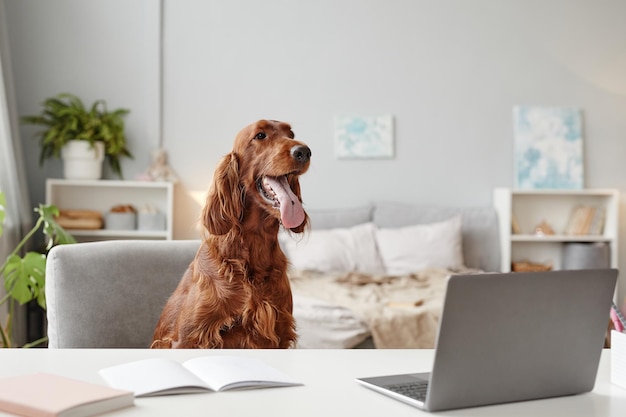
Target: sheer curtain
[(19, 213)]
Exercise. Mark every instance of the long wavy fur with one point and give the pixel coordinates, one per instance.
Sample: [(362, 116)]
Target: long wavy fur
[(235, 293)]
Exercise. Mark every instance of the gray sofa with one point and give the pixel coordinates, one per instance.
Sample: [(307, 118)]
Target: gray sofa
[(111, 293), (481, 243)]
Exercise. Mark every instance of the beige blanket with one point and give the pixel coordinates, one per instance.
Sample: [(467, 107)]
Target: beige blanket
[(401, 311)]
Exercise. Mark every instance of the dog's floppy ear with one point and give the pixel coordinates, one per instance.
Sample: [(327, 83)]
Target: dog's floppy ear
[(295, 187), (224, 204)]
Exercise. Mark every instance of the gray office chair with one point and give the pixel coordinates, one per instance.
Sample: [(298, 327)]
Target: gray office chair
[(110, 294)]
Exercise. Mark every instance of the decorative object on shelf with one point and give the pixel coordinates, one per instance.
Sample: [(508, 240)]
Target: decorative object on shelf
[(121, 217), (159, 169), (548, 148), (66, 119), (543, 229), (82, 161), (149, 218), (593, 255), (585, 220), (80, 219), (527, 266), (364, 137), (24, 276)]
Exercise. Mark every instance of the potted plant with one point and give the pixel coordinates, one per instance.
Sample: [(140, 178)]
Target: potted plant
[(24, 276), (68, 125)]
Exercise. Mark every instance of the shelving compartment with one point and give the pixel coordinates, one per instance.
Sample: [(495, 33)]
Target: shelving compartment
[(102, 195), (529, 208)]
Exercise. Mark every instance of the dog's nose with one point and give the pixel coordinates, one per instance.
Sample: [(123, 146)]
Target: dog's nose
[(301, 153)]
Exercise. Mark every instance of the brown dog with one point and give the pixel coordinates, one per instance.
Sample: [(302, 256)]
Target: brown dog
[(235, 293)]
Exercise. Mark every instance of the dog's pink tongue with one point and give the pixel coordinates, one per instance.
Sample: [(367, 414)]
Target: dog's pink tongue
[(291, 211)]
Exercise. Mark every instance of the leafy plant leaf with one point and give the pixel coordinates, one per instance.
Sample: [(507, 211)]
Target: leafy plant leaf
[(25, 278), (55, 233), (66, 118)]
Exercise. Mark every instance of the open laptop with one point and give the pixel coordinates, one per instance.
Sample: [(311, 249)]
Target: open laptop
[(506, 337)]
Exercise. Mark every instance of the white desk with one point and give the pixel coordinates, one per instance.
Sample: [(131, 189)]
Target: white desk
[(329, 389)]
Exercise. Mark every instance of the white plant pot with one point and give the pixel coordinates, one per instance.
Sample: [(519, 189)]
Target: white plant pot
[(81, 161)]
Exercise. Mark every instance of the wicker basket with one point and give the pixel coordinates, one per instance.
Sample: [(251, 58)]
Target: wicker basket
[(525, 266)]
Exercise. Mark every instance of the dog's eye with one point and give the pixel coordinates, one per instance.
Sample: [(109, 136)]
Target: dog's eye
[(260, 136), (291, 134)]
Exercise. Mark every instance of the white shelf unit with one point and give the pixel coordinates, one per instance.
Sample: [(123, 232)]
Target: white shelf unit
[(531, 207), (101, 195)]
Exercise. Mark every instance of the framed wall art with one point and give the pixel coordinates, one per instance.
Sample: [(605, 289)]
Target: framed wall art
[(548, 148), (364, 137)]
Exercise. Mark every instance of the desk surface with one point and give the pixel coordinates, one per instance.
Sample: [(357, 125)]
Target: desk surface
[(329, 387)]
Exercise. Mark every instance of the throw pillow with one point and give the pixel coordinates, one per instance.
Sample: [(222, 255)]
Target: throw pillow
[(409, 249), (334, 250)]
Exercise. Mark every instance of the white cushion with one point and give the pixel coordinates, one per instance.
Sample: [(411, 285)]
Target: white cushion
[(406, 250), (334, 250)]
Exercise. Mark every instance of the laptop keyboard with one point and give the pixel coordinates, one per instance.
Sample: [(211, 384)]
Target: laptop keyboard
[(415, 390)]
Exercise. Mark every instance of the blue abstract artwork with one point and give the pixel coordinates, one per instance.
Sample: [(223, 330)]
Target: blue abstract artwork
[(364, 137), (548, 148)]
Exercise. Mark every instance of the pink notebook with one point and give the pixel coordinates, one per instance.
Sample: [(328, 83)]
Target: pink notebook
[(43, 395)]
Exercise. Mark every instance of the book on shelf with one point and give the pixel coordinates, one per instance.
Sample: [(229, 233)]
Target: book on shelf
[(515, 229), (586, 220), (50, 395), (161, 376), (597, 223)]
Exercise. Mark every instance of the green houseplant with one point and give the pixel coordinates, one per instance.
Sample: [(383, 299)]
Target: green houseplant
[(24, 276), (65, 118)]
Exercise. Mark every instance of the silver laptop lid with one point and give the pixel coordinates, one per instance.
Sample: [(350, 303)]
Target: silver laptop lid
[(519, 336)]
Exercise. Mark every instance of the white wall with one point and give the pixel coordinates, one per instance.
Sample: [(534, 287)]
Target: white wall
[(96, 50), (450, 71)]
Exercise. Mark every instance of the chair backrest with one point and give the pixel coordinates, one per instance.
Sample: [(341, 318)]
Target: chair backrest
[(111, 293)]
